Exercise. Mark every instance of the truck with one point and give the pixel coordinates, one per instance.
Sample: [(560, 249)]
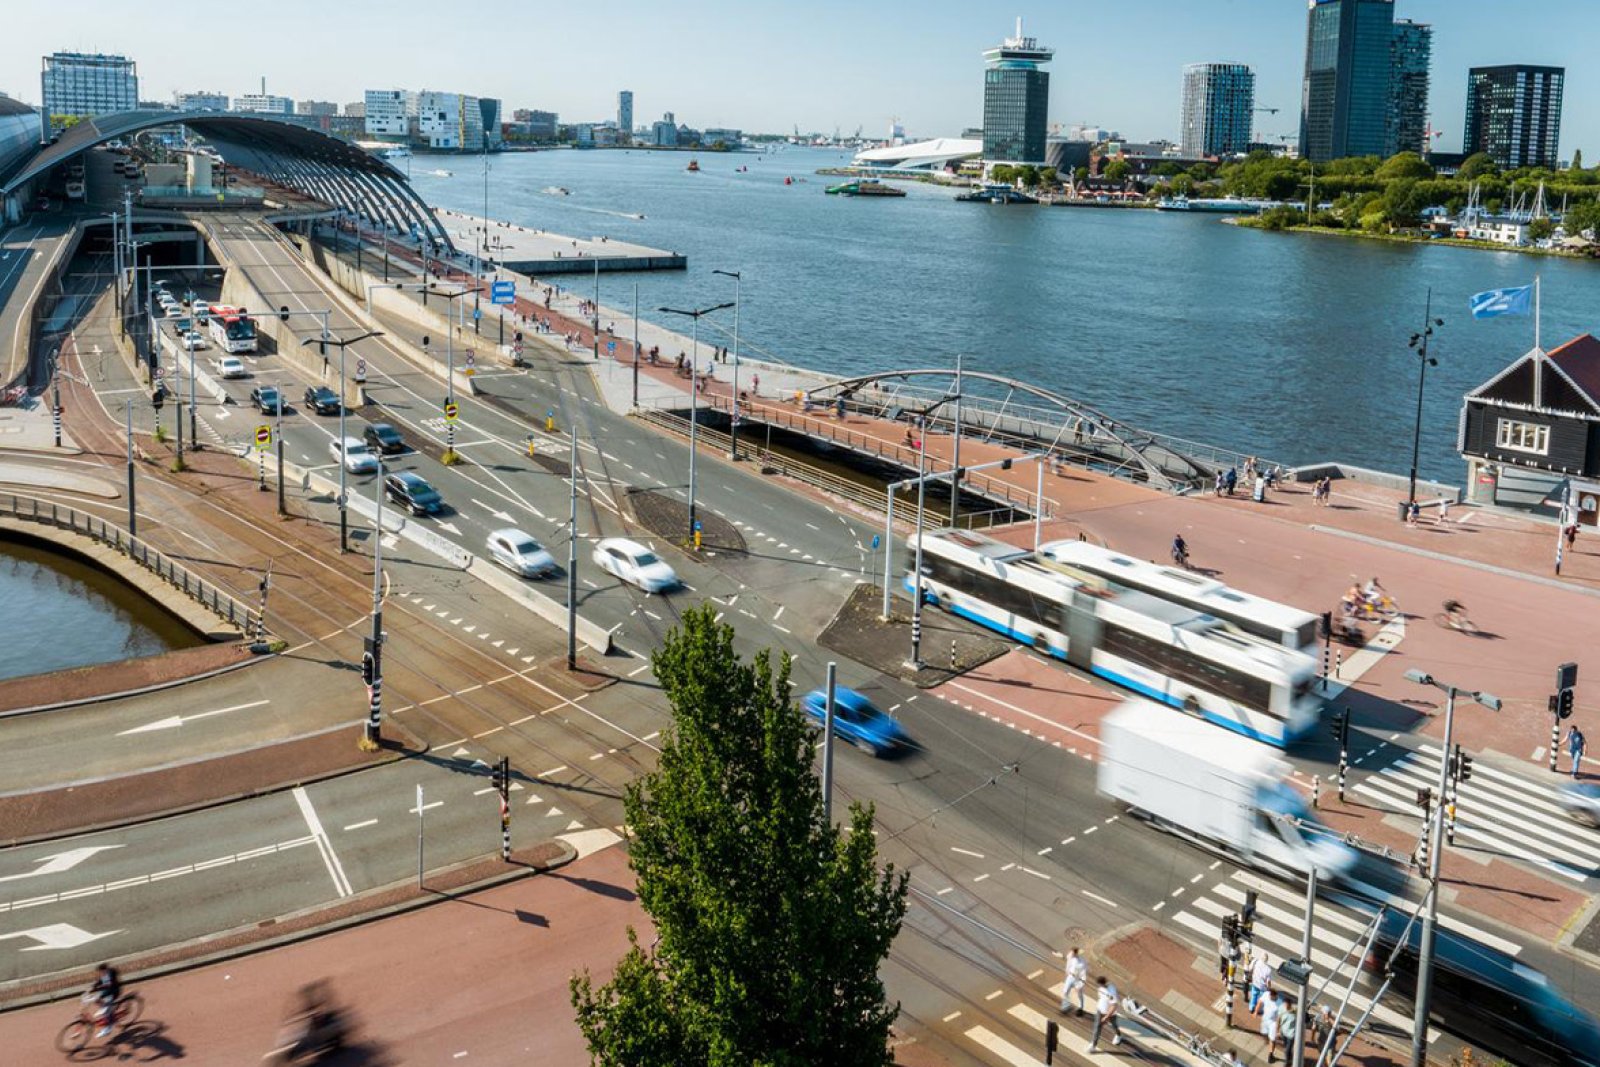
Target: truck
[(1223, 791)]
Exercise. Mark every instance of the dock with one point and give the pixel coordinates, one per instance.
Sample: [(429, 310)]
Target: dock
[(541, 253)]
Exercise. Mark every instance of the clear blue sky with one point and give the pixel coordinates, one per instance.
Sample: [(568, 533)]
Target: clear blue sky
[(766, 66)]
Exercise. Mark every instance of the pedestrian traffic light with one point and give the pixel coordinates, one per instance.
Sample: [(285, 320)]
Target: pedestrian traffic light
[(1564, 704), (368, 667), (1247, 915), (1424, 798), (158, 396), (1463, 767), (1339, 727), (283, 313), (1052, 1037), (1327, 624), (1230, 930)]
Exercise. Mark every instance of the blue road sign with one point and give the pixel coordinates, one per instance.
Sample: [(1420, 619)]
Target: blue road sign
[(477, 313), (697, 525), (502, 292), (876, 540)]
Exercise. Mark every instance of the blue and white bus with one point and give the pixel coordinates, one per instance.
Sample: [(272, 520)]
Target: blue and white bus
[(1161, 650)]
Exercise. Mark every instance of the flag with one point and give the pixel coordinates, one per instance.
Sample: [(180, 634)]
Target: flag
[(1496, 302)]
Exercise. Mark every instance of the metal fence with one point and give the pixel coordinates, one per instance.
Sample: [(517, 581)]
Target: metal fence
[(224, 605)]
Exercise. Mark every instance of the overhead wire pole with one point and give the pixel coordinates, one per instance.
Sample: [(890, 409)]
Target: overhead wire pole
[(572, 553), (733, 421), (344, 499), (694, 407), (133, 511), (955, 456), (373, 735)]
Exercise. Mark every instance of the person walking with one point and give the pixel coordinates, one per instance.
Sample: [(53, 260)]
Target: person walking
[(1270, 1010), (1444, 510), (1077, 976), (1413, 513), (1575, 744), (1230, 480), (1287, 1022), (1105, 1014), (1230, 1058), (1260, 980), (1218, 486)]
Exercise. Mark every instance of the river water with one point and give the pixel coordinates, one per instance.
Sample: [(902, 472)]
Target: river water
[(1287, 345), (61, 613)]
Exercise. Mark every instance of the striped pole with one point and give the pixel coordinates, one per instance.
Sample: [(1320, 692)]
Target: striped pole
[(1316, 791), (1338, 663), (505, 808), (1555, 730), (1344, 769), (952, 655), (1327, 652), (1228, 985)]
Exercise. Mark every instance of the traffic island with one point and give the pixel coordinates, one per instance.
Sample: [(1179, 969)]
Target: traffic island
[(668, 517), (950, 646)]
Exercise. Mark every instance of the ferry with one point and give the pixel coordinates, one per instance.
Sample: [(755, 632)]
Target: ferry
[(996, 194), (1226, 205), (868, 188), (693, 167)]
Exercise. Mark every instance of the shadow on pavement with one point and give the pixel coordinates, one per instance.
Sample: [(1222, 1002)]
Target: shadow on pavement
[(593, 885)]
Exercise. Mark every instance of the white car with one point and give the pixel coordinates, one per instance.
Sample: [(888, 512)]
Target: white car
[(520, 554), (194, 341), (634, 564), (229, 367), (354, 454), (172, 311)]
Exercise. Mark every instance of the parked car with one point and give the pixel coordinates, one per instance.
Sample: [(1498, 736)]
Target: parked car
[(520, 554), (634, 564), (383, 438), (411, 491), (267, 399), (1581, 800), (354, 454), (229, 367), (322, 400), (857, 720)]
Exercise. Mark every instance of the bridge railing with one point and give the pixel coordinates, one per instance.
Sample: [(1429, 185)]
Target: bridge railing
[(223, 604)]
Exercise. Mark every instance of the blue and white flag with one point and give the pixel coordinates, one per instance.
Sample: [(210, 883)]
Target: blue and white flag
[(1497, 302)]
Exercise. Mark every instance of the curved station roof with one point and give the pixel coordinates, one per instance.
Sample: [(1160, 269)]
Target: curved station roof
[(294, 155)]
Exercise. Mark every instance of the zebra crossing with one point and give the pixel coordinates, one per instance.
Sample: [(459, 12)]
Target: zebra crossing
[(1496, 811)]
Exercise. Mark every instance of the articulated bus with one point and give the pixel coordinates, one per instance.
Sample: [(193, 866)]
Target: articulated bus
[(232, 329), (1158, 649), (1278, 623)]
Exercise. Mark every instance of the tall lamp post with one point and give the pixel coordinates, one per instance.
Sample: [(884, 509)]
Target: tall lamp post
[(1419, 344), (1436, 842), (915, 663), (733, 422), (694, 406), (344, 500), (450, 371), (373, 733)]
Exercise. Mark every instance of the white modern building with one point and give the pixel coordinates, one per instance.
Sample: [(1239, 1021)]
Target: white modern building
[(389, 112), (263, 104), (81, 83), (200, 101), (939, 154)]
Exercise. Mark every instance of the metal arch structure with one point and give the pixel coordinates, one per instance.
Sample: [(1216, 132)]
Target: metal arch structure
[(1063, 426), (281, 150)]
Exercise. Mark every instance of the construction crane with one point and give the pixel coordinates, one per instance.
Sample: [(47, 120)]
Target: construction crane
[(1269, 110)]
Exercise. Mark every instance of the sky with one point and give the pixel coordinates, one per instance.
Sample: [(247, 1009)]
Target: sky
[(761, 65)]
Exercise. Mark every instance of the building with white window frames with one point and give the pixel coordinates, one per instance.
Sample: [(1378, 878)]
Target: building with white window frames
[(1531, 434), (389, 113), (200, 101), (81, 83), (263, 104)]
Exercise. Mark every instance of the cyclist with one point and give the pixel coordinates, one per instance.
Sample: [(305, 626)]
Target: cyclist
[(1374, 592), (105, 990), (1180, 550), (1455, 613)]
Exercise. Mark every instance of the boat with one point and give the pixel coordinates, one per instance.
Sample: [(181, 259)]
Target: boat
[(1226, 205), (693, 167), (788, 181), (995, 194), (868, 188), (442, 173), (397, 152)]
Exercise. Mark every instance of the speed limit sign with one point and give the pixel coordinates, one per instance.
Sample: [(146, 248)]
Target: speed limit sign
[(263, 436), (361, 370)]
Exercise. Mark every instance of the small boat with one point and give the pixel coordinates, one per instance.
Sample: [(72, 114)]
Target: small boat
[(995, 194), (693, 167), (442, 173), (868, 188)]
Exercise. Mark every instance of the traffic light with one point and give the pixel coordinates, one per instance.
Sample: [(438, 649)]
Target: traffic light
[(1327, 625), (1339, 727), (1247, 915), (498, 773), (158, 396), (1564, 704), (368, 667), (1425, 798), (1463, 766), (1052, 1037)]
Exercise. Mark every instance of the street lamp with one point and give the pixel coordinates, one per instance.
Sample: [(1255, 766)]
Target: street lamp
[(1419, 343), (733, 424), (450, 370), (1419, 1036), (694, 407), (344, 514), (373, 734), (915, 662)]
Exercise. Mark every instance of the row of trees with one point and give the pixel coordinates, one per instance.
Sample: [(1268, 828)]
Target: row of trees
[(1025, 174)]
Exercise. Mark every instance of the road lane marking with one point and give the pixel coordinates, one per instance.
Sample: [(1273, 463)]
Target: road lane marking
[(330, 859), (362, 825), (173, 721), (1101, 899)]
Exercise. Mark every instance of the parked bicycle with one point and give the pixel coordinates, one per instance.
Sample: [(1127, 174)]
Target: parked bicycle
[(78, 1034)]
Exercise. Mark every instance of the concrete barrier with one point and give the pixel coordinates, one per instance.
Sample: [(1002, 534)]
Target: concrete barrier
[(202, 380)]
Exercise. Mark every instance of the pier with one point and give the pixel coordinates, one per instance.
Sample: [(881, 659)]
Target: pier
[(539, 252)]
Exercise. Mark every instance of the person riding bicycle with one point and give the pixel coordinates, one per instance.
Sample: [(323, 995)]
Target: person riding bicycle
[(1374, 592), (1455, 611), (106, 989), (1180, 550)]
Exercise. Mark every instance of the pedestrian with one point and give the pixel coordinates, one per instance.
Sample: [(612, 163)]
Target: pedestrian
[(1230, 480), (1270, 1009), (1575, 747), (839, 407), (1444, 510), (1572, 534), (1230, 1058), (1288, 1021), (755, 385), (1260, 980), (1077, 974), (1249, 468), (1218, 486), (1413, 512), (1105, 1013)]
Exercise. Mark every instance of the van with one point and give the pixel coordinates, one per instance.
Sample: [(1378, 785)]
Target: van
[(1488, 998)]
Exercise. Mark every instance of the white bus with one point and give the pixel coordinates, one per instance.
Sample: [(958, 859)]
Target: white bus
[(1278, 623), (1158, 649), (231, 329)]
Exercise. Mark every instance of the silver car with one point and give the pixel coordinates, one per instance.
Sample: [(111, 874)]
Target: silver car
[(520, 554), (354, 454), (1581, 800)]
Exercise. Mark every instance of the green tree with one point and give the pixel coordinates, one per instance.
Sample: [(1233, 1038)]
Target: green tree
[(772, 924), (1477, 165), (1281, 218), (1540, 229), (1117, 170), (1581, 217), (1404, 165), (1003, 174), (1353, 166), (1048, 176), (1028, 175), (1577, 159), (1166, 169)]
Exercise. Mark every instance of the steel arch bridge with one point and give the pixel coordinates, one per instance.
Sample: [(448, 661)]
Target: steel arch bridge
[(1033, 418)]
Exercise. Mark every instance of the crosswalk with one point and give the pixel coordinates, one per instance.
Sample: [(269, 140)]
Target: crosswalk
[(1496, 811)]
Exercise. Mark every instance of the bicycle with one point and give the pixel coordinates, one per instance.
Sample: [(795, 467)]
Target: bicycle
[(77, 1034), (1455, 620), (1381, 610)]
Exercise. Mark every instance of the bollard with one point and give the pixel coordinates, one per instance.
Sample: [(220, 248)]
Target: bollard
[(1227, 1008), (952, 655), (1338, 664), (1316, 791)]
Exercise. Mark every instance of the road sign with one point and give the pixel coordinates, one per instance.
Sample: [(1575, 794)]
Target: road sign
[(263, 436), (697, 526), (503, 292), (876, 540), (450, 410), (477, 313), (471, 369), (361, 370), (1566, 676)]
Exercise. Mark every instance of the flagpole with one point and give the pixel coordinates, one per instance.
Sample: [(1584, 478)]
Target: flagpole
[(1536, 313), (1538, 353)]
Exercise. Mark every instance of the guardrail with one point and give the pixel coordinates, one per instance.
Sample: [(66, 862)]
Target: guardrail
[(222, 604)]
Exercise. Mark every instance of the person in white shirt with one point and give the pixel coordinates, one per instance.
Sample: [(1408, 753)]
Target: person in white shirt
[(1105, 1014), (1260, 980), (1077, 976), (1270, 1009)]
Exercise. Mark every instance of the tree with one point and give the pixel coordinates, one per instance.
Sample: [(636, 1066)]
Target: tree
[(1404, 165), (1581, 218), (1003, 174), (1577, 159), (1477, 165), (772, 924), (1117, 170), (1028, 175), (1540, 229), (1048, 176)]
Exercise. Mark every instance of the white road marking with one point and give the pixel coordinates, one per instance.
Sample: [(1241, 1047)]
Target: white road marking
[(362, 825), (330, 859)]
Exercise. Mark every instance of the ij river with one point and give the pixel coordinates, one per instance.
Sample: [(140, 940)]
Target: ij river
[(1286, 345)]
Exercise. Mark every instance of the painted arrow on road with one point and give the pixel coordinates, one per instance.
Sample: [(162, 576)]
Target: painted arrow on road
[(57, 936), (61, 861), (172, 722), (451, 527), (501, 515)]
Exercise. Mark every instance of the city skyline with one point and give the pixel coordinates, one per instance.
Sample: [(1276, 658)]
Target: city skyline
[(760, 82)]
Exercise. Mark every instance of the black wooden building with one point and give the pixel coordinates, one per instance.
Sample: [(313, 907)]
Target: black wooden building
[(1531, 434)]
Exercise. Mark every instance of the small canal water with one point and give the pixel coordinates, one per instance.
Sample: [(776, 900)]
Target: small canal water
[(58, 612)]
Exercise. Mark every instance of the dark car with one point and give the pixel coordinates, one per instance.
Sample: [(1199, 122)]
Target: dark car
[(410, 490), (1489, 998), (857, 720), (322, 400), (381, 437), (267, 399)]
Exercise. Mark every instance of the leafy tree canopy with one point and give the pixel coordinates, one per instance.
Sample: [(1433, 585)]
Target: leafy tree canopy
[(1477, 165), (1404, 165)]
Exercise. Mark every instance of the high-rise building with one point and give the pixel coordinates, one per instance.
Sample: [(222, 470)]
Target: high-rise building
[(1410, 56), (1219, 103), (79, 83), (316, 107), (389, 112), (1345, 99), (263, 104), (625, 115), (664, 134), (1016, 100), (1514, 114), (493, 135), (200, 101)]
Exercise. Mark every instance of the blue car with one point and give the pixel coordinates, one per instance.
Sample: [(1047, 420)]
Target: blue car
[(857, 720)]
